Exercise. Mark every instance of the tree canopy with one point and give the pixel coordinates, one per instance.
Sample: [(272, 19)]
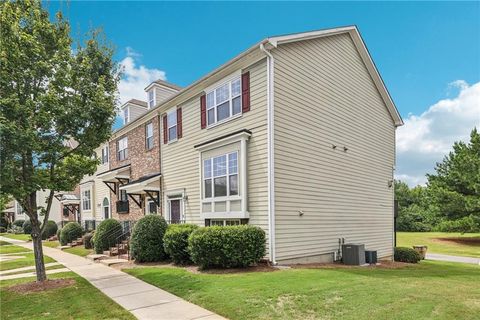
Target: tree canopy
[(57, 103), (451, 199)]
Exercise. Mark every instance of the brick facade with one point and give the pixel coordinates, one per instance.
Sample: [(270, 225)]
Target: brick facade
[(143, 162)]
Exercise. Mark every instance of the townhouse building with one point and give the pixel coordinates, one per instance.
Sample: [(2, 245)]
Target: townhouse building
[(295, 135)]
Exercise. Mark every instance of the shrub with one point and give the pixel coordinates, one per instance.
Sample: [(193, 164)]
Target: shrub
[(465, 224), (16, 230), (146, 244), (18, 223), (87, 240), (106, 234), (3, 229), (59, 231), (227, 247), (72, 231), (27, 227), (175, 242), (403, 254), (50, 229)]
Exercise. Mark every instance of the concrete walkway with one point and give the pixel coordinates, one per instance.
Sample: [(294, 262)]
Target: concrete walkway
[(143, 300), (444, 257)]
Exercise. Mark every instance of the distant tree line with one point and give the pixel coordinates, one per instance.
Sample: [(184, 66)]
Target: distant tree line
[(450, 202)]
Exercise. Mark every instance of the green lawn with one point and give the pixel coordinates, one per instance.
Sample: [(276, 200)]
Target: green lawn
[(430, 290), (79, 251), (4, 243), (51, 244), (81, 301), (25, 237), (58, 266), (22, 262), (430, 239), (12, 249)]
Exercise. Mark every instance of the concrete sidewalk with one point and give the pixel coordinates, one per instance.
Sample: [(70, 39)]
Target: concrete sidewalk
[(444, 257), (143, 300)]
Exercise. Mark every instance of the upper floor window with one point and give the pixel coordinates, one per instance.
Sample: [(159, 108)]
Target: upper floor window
[(151, 98), (224, 102), (86, 201), (149, 136), (104, 155), (172, 125), (126, 116), (122, 149)]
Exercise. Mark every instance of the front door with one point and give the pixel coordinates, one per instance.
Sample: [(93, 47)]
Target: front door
[(175, 211)]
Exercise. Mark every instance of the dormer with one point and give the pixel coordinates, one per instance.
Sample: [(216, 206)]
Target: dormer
[(132, 109), (159, 91)]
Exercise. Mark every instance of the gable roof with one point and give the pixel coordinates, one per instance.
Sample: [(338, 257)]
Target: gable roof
[(163, 84), (254, 54), (275, 41)]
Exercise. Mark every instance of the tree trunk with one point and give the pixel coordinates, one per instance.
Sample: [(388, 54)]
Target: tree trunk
[(38, 252)]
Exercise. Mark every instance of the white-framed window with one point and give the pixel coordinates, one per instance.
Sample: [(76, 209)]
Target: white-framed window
[(172, 125), (151, 98), (222, 223), (123, 195), (126, 115), (224, 102), (151, 207), (86, 200), (221, 183), (149, 136), (122, 149), (104, 155)]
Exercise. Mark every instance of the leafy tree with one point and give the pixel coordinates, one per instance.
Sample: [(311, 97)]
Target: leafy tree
[(455, 188), (57, 105)]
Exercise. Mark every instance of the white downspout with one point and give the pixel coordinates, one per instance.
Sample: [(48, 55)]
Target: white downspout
[(270, 135)]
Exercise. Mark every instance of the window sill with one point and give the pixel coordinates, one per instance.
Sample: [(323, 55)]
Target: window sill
[(224, 215), (224, 121)]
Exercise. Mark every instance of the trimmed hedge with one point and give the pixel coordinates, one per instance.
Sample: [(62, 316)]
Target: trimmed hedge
[(146, 243), (59, 231), (18, 223), (27, 227), (50, 229), (106, 235), (227, 247), (87, 240), (403, 254), (175, 242), (70, 232), (3, 229)]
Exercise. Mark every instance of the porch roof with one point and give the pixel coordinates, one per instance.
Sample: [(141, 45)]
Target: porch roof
[(112, 175), (148, 182)]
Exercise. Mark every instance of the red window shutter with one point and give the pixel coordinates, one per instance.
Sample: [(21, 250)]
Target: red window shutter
[(203, 111), (246, 92), (165, 130), (179, 123)]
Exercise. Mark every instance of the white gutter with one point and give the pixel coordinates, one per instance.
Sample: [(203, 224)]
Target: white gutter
[(270, 133)]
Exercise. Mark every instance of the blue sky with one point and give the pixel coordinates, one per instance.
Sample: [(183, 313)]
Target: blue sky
[(419, 48)]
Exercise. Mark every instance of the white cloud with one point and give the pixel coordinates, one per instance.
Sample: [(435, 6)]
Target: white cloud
[(427, 138), (136, 77)]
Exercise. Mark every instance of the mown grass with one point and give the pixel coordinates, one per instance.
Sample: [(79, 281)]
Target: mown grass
[(28, 260), (12, 249), (79, 251), (80, 301), (430, 290), (25, 237), (431, 239)]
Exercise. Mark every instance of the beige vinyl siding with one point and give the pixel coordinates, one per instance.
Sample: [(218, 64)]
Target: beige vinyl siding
[(99, 190), (162, 94), (180, 161), (136, 111), (324, 96)]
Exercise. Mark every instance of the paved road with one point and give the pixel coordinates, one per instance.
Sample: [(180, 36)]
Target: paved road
[(444, 257), (143, 300)]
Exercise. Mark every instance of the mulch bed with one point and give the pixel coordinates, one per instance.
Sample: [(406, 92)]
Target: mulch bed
[(261, 267), (41, 286), (475, 241)]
